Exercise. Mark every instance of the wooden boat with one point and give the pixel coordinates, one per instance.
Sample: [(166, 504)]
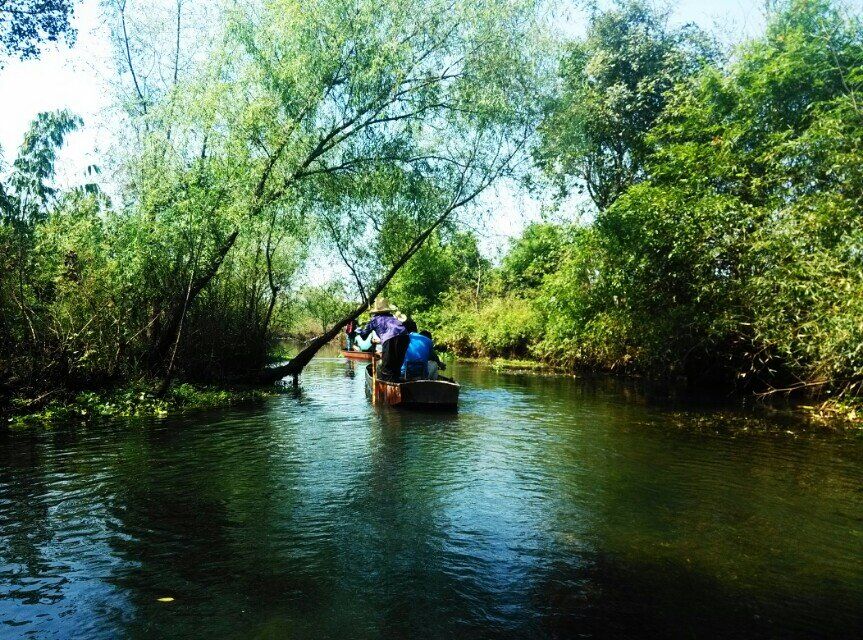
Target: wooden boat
[(440, 394), (357, 355)]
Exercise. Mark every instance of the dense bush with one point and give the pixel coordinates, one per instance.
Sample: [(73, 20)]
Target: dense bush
[(735, 254), (501, 326), (82, 292), (84, 287)]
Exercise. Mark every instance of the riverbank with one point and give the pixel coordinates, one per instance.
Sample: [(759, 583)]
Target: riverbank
[(139, 401), (128, 402), (513, 365), (831, 413)]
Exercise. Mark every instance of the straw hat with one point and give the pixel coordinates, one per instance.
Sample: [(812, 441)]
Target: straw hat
[(382, 305)]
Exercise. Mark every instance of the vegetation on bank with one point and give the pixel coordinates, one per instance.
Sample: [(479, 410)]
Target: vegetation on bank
[(259, 138), (831, 413), (724, 245), (127, 402), (718, 242)]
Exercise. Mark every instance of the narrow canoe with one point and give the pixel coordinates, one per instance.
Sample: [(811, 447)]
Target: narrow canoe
[(357, 355), (441, 394)]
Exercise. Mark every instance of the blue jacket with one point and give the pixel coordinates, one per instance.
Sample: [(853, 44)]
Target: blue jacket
[(418, 354)]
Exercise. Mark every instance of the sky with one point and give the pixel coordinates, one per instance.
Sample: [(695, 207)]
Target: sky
[(76, 79), (61, 78)]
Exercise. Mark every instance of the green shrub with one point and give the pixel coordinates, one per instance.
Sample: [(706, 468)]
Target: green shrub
[(500, 327)]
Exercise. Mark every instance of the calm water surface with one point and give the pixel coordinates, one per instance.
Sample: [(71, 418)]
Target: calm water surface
[(548, 507)]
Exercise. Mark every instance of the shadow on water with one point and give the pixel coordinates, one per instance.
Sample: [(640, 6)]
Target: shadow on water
[(547, 507)]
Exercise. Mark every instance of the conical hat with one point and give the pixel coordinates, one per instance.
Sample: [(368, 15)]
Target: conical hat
[(382, 305)]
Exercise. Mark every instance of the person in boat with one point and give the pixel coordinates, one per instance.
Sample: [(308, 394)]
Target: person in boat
[(394, 339), (410, 325), (350, 335), (416, 364), (434, 364), (367, 344)]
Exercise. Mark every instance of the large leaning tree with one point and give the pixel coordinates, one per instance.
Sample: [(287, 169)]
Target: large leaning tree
[(377, 121)]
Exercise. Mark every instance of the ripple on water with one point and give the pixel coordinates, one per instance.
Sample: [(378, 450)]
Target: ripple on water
[(546, 507)]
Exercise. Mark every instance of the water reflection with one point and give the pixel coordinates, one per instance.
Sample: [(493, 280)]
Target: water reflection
[(547, 507)]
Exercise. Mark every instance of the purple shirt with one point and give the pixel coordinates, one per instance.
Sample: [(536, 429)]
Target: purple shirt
[(385, 325)]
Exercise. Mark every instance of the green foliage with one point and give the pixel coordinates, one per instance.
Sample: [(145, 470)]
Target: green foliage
[(354, 131), (726, 245), (614, 87), (325, 304), (754, 261), (501, 326), (420, 284), (734, 256), (584, 324), (534, 255), (28, 190), (807, 280), (439, 266), (26, 24), (134, 402), (84, 288)]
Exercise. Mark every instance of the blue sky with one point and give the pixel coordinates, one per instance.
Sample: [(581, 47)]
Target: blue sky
[(76, 79)]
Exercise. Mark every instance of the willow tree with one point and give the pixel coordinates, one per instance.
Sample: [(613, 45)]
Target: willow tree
[(395, 115)]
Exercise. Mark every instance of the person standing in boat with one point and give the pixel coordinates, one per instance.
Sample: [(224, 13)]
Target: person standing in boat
[(393, 336)]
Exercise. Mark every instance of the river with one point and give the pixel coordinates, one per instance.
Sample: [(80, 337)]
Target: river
[(547, 507)]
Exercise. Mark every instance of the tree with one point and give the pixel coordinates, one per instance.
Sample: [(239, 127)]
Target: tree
[(26, 24), (614, 86), (158, 46), (534, 255), (325, 303), (28, 190), (34, 339), (395, 113), (425, 277), (733, 260)]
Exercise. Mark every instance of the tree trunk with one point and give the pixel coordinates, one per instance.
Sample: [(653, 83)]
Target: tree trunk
[(299, 361), (171, 328)]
